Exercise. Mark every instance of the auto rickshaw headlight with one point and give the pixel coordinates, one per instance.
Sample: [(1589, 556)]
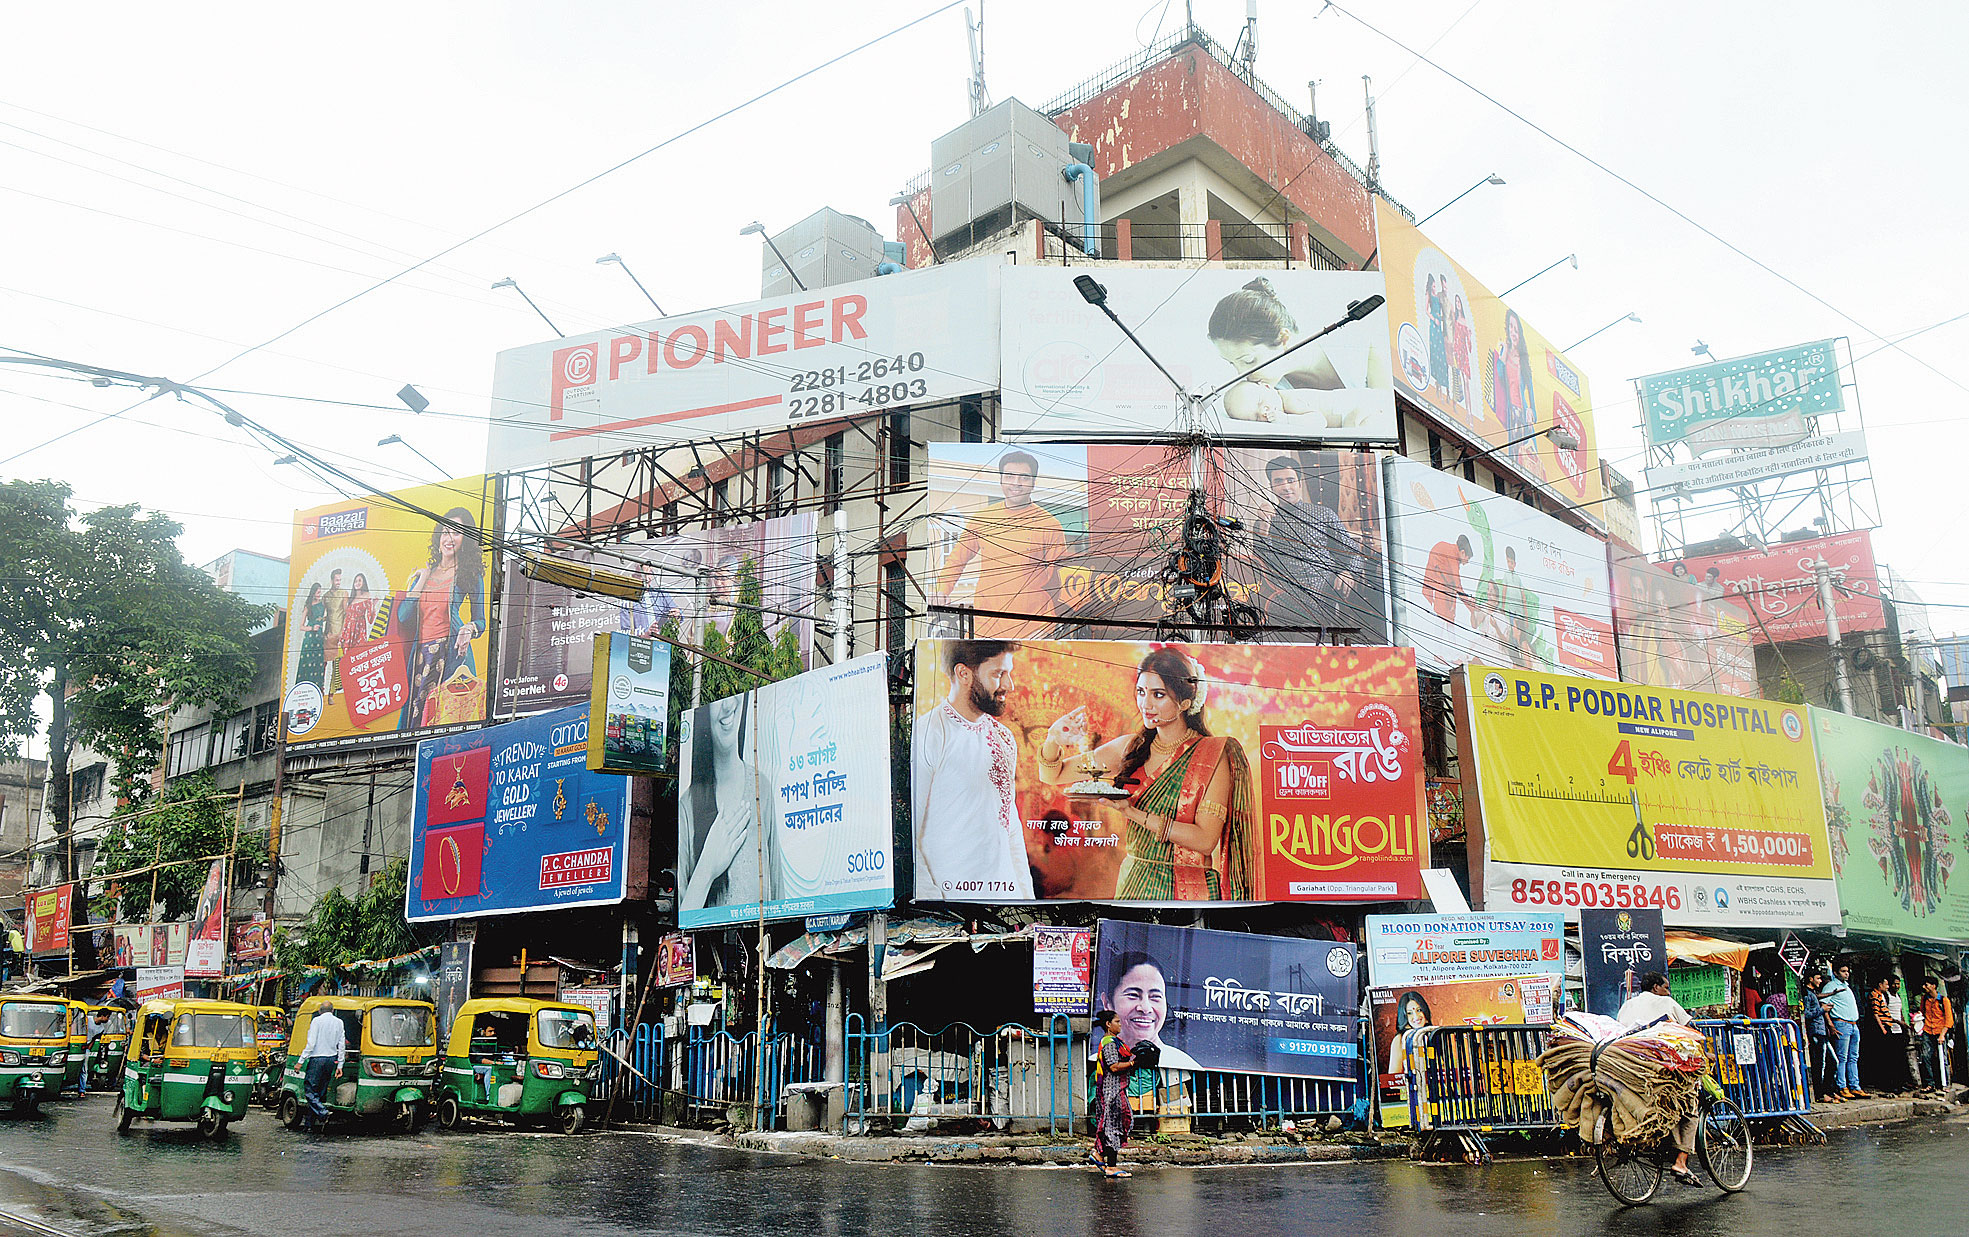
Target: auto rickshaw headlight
[(548, 1069), (10, 1058), (383, 1069), (57, 1058)]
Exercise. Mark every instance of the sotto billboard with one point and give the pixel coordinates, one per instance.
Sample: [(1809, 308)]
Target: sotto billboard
[(1069, 374), (1469, 360), (387, 624), (1594, 794), (1894, 806), (1083, 532), (509, 819), (545, 630), (1482, 577), (1780, 585), (909, 338), (1233, 1001), (784, 799), (1083, 770)]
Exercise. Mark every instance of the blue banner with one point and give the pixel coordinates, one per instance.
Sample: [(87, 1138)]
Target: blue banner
[(1233, 1001), (509, 819)]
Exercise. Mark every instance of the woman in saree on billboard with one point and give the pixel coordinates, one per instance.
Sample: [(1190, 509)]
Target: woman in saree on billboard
[(1191, 831)]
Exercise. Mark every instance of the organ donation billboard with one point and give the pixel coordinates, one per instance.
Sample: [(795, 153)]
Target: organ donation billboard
[(1128, 771), (1614, 794)]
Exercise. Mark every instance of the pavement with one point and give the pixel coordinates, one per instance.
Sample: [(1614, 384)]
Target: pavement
[(68, 1173)]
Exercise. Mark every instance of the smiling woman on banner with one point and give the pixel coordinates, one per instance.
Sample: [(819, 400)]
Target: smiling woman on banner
[(718, 816), (1192, 832), (432, 616)]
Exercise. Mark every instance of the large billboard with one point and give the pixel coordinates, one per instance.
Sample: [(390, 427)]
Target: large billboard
[(387, 622), (1469, 360), (1074, 533), (1895, 805), (546, 630), (508, 819), (1233, 1001), (1070, 374), (1611, 794), (1675, 632), (910, 338), (783, 799), (1761, 400), (1780, 585), (1746, 467), (1118, 771), (1482, 577)]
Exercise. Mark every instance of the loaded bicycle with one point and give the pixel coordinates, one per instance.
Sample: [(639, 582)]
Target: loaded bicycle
[(1632, 1172)]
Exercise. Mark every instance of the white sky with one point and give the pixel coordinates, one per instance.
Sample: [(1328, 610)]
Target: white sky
[(1824, 138)]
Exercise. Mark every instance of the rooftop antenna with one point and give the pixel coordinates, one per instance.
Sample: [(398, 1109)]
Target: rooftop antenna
[(1249, 41), (1373, 138), (1314, 128), (974, 31)]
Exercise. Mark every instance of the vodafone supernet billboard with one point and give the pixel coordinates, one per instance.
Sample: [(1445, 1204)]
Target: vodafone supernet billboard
[(822, 355)]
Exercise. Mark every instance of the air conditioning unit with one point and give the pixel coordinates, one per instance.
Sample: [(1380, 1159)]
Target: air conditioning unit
[(824, 249)]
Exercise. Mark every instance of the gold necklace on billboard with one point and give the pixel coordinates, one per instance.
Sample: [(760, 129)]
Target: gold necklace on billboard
[(560, 797), (458, 795)]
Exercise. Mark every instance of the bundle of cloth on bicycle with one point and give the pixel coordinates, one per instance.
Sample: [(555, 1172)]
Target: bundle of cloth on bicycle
[(1636, 1085)]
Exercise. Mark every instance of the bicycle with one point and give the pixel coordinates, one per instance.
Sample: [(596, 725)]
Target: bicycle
[(1633, 1173)]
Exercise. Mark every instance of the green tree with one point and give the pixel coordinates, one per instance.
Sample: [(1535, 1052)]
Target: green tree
[(340, 929), (189, 821), (101, 613)]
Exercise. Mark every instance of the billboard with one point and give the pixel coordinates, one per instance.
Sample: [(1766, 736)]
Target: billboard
[(387, 620), (1084, 532), (157, 983), (1781, 588), (1482, 577), (1674, 632), (252, 938), (1403, 950), (1895, 804), (1233, 1001), (629, 709), (1468, 360), (1745, 467), (1398, 1011), (1765, 399), (913, 337), (1122, 771), (509, 819), (205, 948), (48, 916), (784, 802), (1069, 374), (1597, 794), (1617, 947), (545, 661), (1062, 970)]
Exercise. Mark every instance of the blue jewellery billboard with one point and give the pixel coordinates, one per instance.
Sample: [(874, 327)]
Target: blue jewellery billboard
[(509, 819)]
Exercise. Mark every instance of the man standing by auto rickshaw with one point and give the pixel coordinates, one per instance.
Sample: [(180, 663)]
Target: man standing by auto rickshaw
[(321, 1058)]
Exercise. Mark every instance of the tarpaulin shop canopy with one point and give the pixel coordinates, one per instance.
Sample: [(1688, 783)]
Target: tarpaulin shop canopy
[(1689, 947)]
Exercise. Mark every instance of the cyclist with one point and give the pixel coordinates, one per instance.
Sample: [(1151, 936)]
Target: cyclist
[(1651, 1004)]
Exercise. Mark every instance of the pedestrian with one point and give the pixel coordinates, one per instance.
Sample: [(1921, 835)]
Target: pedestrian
[(1823, 1063), (1113, 1118), (1883, 1048), (1937, 1020), (322, 1058), (1752, 999), (1843, 1004)]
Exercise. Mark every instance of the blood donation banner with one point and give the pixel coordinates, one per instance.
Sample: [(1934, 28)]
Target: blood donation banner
[(1613, 794)]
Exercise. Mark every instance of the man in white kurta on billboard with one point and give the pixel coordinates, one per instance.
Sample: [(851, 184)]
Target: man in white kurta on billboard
[(970, 842)]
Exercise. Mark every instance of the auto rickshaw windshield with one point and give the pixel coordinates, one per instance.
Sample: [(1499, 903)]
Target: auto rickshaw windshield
[(212, 1031), (567, 1029), (400, 1026), (116, 1023), (20, 1020)]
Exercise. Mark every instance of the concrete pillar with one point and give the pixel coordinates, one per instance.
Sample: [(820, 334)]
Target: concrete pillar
[(1124, 239), (1192, 212)]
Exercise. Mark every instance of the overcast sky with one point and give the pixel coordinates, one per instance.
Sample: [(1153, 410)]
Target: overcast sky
[(178, 183)]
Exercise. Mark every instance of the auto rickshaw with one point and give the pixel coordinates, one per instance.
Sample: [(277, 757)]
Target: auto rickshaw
[(520, 1060), (33, 1050), (104, 1067), (270, 1032), (188, 1061), (78, 1045), (393, 1044)]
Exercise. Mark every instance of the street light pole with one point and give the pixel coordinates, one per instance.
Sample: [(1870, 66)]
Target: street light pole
[(510, 282), (1492, 179), (1627, 317), (398, 440), (616, 259), (760, 228), (1571, 257), (1561, 437)]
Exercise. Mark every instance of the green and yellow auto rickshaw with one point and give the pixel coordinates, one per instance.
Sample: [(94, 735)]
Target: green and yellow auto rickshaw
[(188, 1061), (520, 1060), (78, 1045), (270, 1028), (104, 1065), (33, 1050), (391, 1062)]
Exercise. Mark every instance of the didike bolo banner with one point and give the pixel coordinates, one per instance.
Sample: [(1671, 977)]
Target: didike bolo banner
[(1597, 794)]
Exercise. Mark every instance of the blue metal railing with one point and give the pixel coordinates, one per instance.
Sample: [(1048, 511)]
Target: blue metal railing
[(1760, 1063)]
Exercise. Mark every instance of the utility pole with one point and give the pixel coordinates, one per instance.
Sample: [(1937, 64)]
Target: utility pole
[(1823, 572)]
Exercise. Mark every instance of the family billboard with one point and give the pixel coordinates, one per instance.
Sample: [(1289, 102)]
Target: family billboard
[(1146, 772)]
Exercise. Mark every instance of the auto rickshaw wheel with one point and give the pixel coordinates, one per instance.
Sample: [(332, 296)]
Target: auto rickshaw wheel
[(449, 1113), (123, 1116), (212, 1123), (28, 1104), (290, 1110), (572, 1118), (410, 1116)]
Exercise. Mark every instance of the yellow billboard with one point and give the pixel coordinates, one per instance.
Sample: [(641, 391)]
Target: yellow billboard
[(387, 620), (1466, 358), (1589, 793)]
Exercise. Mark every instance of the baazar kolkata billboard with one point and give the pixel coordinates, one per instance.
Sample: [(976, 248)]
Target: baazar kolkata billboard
[(1025, 535), (1125, 771), (1580, 793)]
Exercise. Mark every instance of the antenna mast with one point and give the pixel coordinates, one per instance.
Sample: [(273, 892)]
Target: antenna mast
[(974, 32), (1373, 137), (1250, 41)]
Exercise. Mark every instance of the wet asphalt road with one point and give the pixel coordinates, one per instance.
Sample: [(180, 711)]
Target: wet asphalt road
[(71, 1171)]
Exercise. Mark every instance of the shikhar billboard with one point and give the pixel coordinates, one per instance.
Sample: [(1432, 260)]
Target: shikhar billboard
[(1765, 399)]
